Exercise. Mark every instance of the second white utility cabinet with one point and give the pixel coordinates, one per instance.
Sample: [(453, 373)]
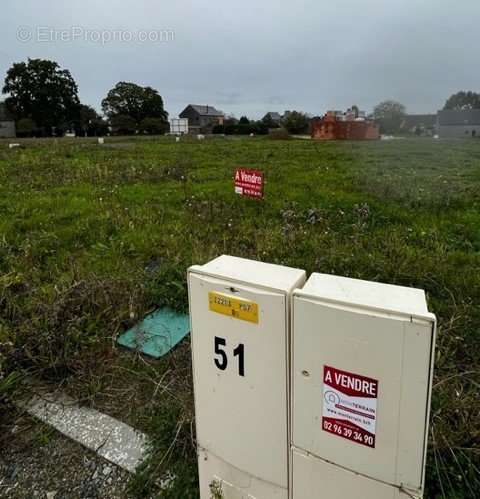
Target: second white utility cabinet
[(240, 319), (362, 374)]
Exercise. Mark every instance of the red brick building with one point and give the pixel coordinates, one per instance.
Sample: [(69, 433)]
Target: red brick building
[(344, 126)]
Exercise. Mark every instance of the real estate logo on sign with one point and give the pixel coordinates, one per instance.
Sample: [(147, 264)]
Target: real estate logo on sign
[(249, 182), (349, 405)]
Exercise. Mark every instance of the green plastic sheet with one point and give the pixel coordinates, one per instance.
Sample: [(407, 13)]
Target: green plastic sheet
[(158, 333)]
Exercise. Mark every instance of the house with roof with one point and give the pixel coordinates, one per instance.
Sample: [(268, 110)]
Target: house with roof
[(460, 123), (202, 119), (349, 125), (7, 123), (419, 124)]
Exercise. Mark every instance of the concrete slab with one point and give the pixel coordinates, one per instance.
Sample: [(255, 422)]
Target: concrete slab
[(115, 441)]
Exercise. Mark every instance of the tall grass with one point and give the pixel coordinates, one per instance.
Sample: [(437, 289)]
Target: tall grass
[(91, 238)]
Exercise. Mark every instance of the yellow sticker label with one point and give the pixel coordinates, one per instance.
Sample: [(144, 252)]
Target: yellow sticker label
[(237, 308)]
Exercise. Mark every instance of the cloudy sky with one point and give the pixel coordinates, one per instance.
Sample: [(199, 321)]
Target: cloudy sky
[(253, 56)]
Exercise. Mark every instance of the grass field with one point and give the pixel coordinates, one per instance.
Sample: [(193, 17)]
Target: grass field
[(93, 237)]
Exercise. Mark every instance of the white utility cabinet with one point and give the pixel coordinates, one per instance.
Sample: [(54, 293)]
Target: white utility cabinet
[(362, 373), (240, 324), (179, 126)]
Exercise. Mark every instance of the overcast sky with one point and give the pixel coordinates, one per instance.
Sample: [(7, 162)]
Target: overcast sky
[(253, 56)]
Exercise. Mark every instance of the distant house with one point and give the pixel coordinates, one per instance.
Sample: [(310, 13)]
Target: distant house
[(350, 125), (459, 124), (202, 119), (273, 117), (7, 123), (420, 124)]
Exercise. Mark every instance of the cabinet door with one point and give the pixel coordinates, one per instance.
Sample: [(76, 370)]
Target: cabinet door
[(231, 483), (240, 376), (379, 432), (317, 479)]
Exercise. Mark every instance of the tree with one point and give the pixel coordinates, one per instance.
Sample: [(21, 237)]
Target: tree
[(230, 120), (90, 123), (123, 124), (26, 127), (296, 122), (463, 100), (135, 101), (244, 121), (43, 92), (269, 122), (389, 115), (260, 128), (154, 126)]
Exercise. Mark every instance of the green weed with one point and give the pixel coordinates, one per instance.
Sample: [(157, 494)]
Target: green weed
[(92, 238)]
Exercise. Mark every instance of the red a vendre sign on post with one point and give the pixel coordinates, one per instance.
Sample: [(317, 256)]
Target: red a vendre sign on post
[(249, 183)]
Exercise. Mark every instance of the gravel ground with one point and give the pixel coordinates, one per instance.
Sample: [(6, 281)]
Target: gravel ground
[(38, 462)]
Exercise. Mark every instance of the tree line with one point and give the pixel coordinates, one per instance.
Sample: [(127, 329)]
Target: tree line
[(43, 99), (295, 122)]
